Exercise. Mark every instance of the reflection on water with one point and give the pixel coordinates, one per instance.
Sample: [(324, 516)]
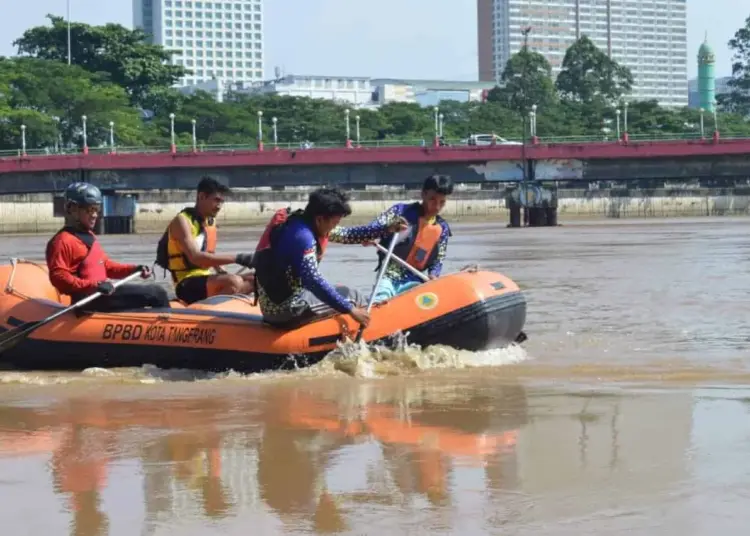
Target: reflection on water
[(333, 455)]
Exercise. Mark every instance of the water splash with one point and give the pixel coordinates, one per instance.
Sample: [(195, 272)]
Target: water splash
[(364, 361)]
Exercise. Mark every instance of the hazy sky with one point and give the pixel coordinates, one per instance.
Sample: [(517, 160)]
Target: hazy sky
[(381, 38)]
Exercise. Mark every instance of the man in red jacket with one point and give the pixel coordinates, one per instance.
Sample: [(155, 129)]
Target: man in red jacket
[(78, 266)]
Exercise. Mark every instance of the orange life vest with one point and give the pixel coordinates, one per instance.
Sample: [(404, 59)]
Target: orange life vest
[(420, 249)]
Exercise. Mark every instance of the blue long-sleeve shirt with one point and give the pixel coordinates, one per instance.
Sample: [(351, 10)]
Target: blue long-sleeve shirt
[(395, 272), (296, 252)]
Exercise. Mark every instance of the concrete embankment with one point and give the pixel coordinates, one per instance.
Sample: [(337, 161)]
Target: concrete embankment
[(34, 213)]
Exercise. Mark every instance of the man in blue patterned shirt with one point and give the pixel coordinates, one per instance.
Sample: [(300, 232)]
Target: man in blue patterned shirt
[(426, 244), (291, 289)]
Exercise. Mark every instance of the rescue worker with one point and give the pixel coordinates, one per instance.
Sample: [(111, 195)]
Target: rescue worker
[(427, 242), (187, 249), (78, 266), (291, 289)]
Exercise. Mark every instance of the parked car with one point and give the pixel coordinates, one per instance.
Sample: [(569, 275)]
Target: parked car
[(486, 139)]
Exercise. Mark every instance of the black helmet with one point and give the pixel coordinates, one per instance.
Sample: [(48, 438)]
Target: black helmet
[(83, 194)]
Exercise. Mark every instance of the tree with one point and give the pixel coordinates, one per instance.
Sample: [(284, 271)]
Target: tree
[(50, 98), (738, 98), (588, 74), (527, 81), (123, 54)]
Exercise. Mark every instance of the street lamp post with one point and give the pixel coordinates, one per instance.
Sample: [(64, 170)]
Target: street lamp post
[(356, 132), (436, 113), (23, 140), (716, 122), (112, 137), (195, 135), (534, 138), (347, 112), (703, 131), (172, 144), (274, 121), (617, 114), (68, 17), (260, 130), (625, 122), (441, 117), (85, 137)]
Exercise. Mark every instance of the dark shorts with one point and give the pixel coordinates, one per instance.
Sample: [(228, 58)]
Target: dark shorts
[(129, 296), (310, 308), (192, 289)]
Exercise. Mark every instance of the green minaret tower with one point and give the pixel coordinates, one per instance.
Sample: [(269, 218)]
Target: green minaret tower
[(706, 76)]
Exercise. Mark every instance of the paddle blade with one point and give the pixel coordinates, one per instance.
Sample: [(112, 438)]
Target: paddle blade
[(10, 338)]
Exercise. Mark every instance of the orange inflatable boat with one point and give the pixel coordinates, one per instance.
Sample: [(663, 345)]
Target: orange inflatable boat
[(466, 310)]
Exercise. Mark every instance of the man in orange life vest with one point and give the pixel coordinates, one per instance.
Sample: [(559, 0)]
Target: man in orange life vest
[(291, 289), (188, 250), (426, 245), (78, 266)]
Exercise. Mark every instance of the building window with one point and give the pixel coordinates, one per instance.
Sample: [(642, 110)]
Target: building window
[(259, 74)]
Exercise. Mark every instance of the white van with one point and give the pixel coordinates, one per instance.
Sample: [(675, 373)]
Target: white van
[(486, 139)]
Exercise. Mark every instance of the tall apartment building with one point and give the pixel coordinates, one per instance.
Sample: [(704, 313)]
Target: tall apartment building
[(647, 36), (220, 40)]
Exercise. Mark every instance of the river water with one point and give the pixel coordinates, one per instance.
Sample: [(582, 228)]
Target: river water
[(626, 410)]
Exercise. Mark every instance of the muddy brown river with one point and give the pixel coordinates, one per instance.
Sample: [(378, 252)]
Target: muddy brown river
[(626, 411)]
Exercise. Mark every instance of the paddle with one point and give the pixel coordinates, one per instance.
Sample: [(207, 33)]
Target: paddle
[(403, 263), (389, 253), (24, 330)]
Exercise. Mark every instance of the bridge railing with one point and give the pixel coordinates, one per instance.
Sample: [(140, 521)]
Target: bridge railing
[(297, 146)]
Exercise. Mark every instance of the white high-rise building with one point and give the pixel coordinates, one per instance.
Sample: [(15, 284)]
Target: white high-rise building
[(647, 36), (215, 40)]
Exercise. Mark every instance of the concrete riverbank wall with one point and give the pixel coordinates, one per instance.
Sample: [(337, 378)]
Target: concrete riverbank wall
[(34, 213)]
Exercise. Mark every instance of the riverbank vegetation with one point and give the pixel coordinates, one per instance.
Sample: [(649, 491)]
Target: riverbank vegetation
[(123, 85)]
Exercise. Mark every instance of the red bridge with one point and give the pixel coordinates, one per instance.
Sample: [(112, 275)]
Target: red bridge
[(374, 155), (621, 160)]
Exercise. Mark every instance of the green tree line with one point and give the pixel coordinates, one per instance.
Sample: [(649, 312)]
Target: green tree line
[(119, 81)]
